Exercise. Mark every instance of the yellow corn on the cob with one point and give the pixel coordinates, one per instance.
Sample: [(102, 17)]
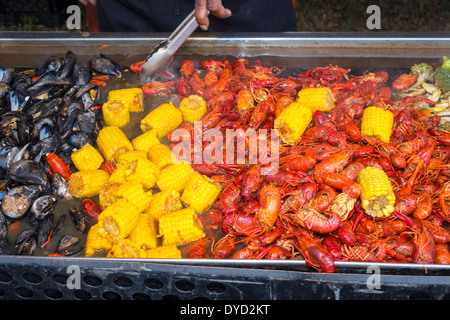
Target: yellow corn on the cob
[(87, 158), (180, 227), (164, 119), (112, 141), (163, 252), (316, 98), (133, 98), (174, 177), (193, 108), (106, 196), (133, 155), (161, 155), (87, 183), (115, 113), (144, 141), (144, 171), (292, 122), (200, 192), (164, 202), (134, 192), (378, 123), (95, 242), (118, 220), (377, 196), (145, 232), (124, 248)]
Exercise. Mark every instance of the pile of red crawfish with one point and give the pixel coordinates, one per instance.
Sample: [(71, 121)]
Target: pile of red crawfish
[(310, 208)]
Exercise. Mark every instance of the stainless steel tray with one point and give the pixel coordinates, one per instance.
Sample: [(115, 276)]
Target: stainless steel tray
[(361, 51)]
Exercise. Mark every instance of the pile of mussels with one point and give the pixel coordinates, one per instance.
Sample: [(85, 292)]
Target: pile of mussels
[(49, 109)]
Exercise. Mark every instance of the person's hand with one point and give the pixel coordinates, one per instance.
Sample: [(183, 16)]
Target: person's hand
[(215, 7), (85, 2)]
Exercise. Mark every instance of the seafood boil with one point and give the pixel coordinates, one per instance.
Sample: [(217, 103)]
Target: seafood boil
[(362, 163)]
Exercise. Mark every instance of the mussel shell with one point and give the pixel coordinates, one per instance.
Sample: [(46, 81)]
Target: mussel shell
[(29, 172), (60, 187), (105, 65), (3, 226), (19, 199), (44, 229), (69, 62), (81, 74), (79, 219), (7, 74), (43, 206), (25, 235), (67, 245), (77, 139), (52, 63), (86, 122)]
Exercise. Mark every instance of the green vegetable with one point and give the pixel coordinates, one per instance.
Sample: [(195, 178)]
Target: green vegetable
[(445, 62), (425, 72), (442, 76)]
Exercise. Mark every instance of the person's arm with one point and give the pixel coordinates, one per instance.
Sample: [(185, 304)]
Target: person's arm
[(215, 7), (85, 2)]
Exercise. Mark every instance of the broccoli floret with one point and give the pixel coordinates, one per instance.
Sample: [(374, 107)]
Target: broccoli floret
[(424, 70), (445, 62), (442, 76)]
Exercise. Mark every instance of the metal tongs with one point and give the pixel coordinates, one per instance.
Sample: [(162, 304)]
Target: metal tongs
[(162, 55)]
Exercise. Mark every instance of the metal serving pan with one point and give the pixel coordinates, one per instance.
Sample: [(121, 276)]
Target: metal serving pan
[(393, 52)]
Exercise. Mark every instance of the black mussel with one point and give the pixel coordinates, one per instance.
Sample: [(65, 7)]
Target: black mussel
[(77, 139), (69, 62), (79, 219), (4, 89), (29, 172), (47, 83), (4, 184), (4, 155), (52, 63), (45, 127), (22, 82), (60, 187), (86, 122), (19, 199), (43, 206), (68, 245), (7, 74), (58, 226), (26, 242), (3, 226), (48, 109), (44, 146), (105, 65), (44, 230), (81, 74)]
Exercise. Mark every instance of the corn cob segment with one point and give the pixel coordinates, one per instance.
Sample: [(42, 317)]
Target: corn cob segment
[(132, 98), (112, 141), (161, 155), (145, 232), (134, 192), (193, 108), (378, 123), (118, 220), (96, 242), (200, 192), (132, 155), (106, 196), (164, 202), (292, 122), (180, 227), (316, 98), (174, 177), (377, 196), (87, 183), (115, 113), (87, 158), (164, 119), (144, 141), (163, 252), (141, 170), (124, 248)]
